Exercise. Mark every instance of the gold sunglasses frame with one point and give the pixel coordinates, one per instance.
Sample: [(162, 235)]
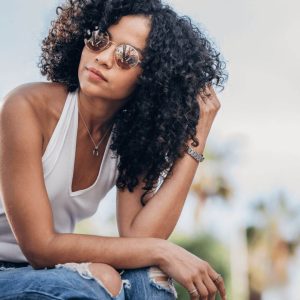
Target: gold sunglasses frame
[(98, 32)]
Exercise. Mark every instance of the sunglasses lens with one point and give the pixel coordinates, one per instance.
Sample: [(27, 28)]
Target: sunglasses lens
[(126, 56), (97, 41)]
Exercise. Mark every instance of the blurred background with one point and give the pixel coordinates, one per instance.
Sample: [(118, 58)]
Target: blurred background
[(242, 214)]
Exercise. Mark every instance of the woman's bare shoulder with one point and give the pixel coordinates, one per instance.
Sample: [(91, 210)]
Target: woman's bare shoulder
[(36, 92), (45, 98)]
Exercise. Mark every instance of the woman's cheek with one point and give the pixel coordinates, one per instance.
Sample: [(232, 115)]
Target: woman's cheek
[(126, 87)]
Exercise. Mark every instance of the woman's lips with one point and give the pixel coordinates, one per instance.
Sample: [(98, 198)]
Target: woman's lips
[(95, 74)]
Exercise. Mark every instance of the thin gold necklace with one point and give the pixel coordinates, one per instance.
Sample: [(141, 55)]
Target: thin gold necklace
[(95, 150)]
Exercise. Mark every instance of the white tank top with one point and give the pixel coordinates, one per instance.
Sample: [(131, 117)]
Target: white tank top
[(58, 165)]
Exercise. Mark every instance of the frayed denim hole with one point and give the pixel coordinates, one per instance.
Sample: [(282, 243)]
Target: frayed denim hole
[(167, 285), (6, 268), (84, 271), (126, 283), (81, 268)]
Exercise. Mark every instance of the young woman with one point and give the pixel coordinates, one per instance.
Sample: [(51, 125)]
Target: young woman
[(130, 101)]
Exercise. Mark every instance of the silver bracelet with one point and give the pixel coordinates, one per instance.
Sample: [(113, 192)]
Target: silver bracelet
[(198, 156)]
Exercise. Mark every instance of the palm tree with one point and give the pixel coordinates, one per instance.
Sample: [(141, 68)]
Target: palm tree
[(211, 179), (269, 249)]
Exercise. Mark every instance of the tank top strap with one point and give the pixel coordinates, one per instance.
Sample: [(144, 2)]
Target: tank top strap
[(61, 129)]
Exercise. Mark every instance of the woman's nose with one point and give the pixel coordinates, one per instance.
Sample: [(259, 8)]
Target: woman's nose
[(106, 56)]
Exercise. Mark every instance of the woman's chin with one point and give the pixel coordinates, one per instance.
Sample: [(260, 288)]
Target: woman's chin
[(91, 90)]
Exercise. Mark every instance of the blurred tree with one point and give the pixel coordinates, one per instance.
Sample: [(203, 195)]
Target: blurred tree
[(211, 179), (269, 247)]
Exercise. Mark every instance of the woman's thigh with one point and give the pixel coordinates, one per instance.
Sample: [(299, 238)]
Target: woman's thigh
[(148, 283), (57, 283)]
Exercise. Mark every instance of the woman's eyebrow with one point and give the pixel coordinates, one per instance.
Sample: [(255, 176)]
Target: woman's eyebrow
[(137, 48)]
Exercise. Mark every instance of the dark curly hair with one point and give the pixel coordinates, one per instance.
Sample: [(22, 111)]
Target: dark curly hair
[(153, 127)]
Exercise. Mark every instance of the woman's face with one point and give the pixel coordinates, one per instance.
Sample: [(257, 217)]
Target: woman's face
[(120, 83)]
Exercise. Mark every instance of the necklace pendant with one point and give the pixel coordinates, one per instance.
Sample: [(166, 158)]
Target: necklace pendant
[(95, 151)]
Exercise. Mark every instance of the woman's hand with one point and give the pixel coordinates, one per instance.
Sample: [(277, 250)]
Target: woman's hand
[(209, 106), (192, 273)]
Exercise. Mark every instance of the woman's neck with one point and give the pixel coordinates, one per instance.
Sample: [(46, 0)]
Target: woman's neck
[(97, 114)]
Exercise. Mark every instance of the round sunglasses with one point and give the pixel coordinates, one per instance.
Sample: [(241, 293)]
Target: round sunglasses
[(126, 56)]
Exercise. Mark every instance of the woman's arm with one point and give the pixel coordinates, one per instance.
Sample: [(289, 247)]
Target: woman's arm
[(161, 213), (28, 208)]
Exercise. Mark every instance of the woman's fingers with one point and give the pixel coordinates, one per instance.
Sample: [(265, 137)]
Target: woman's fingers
[(209, 97), (211, 287), (206, 289), (205, 286), (202, 97), (207, 106), (193, 291), (194, 296), (218, 282), (212, 91), (202, 290), (199, 291), (221, 287), (207, 91)]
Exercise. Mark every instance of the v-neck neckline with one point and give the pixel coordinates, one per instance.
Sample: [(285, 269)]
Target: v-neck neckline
[(74, 146)]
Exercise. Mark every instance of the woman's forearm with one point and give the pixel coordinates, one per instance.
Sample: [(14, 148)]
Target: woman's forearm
[(119, 252), (160, 215)]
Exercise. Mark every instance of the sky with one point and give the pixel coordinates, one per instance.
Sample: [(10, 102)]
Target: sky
[(260, 104)]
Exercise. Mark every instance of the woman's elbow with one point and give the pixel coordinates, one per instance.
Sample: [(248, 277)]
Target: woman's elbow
[(38, 255)]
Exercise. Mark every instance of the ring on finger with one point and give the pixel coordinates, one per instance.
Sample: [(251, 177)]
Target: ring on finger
[(193, 291), (217, 279)]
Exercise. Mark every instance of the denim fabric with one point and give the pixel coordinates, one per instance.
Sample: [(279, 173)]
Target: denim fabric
[(21, 281)]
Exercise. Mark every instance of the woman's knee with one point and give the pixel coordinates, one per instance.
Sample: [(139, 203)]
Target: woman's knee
[(109, 276), (106, 276)]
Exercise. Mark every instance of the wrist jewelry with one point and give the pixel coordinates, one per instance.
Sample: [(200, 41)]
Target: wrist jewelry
[(198, 156)]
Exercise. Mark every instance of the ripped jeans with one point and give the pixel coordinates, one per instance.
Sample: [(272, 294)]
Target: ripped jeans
[(75, 281)]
